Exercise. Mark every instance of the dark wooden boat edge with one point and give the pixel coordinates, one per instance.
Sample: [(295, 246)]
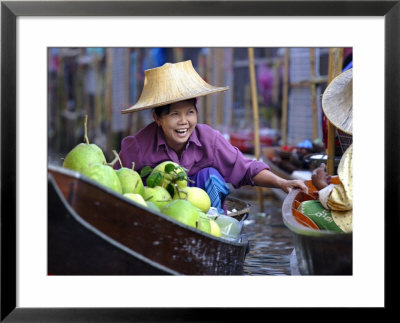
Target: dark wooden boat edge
[(241, 215), (66, 194), (103, 236)]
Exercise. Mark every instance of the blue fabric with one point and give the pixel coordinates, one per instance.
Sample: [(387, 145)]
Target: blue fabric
[(348, 66), (210, 180)]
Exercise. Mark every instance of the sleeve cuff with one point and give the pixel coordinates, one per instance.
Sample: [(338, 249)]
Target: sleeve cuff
[(324, 195), (258, 166)]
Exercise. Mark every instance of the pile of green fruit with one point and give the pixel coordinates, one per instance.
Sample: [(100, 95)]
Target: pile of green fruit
[(167, 189)]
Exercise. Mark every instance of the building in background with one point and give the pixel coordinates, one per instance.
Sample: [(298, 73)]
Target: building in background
[(100, 82)]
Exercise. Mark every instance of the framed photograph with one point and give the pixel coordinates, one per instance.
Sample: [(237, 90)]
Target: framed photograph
[(188, 23)]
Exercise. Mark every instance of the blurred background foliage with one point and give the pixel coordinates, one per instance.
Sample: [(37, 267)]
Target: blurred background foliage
[(100, 82)]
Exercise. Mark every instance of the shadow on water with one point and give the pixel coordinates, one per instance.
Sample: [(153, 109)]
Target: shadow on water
[(270, 241)]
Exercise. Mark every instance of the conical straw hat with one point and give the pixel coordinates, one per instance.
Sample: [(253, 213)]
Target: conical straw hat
[(171, 83), (337, 101)]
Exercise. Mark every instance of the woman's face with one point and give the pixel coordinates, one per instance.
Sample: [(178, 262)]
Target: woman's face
[(178, 124)]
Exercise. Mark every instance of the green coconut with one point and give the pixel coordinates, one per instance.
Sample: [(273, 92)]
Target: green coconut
[(203, 224), (195, 195), (105, 175), (169, 175), (157, 195), (136, 197), (182, 211), (215, 229), (152, 206), (131, 181), (84, 155)]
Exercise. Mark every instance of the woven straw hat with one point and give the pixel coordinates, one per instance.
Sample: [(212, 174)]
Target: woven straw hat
[(172, 83), (337, 101)]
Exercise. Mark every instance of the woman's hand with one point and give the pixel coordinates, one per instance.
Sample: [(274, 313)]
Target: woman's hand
[(289, 185), (320, 178), (266, 178)]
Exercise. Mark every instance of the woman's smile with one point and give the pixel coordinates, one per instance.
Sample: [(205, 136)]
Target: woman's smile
[(182, 131), (178, 124)]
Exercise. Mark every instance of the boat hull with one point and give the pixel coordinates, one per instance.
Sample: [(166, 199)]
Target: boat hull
[(76, 249), (323, 255), (95, 231), (318, 252)]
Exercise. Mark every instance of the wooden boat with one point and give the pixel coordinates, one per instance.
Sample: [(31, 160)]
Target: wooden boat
[(287, 165), (94, 231), (269, 153), (318, 252)]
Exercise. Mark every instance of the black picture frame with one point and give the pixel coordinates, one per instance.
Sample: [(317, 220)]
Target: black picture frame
[(11, 10)]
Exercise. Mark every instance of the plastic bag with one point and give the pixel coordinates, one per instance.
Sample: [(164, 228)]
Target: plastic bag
[(230, 227)]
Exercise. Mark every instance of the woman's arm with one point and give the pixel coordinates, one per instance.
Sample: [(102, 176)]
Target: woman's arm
[(266, 178)]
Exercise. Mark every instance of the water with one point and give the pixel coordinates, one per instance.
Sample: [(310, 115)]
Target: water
[(270, 241)]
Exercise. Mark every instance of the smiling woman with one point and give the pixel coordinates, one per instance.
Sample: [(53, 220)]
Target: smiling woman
[(212, 162), (177, 121)]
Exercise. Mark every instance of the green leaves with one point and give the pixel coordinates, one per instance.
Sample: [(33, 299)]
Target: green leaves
[(169, 168), (172, 172), (181, 176), (170, 189), (145, 171), (154, 179)]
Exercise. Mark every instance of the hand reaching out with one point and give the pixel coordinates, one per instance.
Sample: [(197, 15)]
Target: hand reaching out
[(266, 178), (320, 177), (294, 184)]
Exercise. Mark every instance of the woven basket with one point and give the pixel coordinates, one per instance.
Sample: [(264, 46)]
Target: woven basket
[(242, 207)]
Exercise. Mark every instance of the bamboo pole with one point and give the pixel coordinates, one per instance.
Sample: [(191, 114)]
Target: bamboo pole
[(275, 93), (178, 54), (202, 73), (108, 101), (247, 97), (219, 77), (131, 92), (255, 119), (254, 103), (285, 97), (313, 94), (96, 99), (61, 104), (229, 96), (209, 60), (335, 68), (127, 66)]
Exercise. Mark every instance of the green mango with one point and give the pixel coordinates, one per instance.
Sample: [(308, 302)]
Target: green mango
[(131, 181), (183, 211), (84, 155), (104, 175)]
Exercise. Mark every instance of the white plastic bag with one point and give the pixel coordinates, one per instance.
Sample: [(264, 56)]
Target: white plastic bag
[(230, 227)]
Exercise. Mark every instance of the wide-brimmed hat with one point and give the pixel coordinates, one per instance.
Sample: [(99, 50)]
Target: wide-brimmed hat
[(337, 101), (171, 83)]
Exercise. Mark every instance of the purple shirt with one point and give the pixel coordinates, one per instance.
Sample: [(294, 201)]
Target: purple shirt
[(205, 147)]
